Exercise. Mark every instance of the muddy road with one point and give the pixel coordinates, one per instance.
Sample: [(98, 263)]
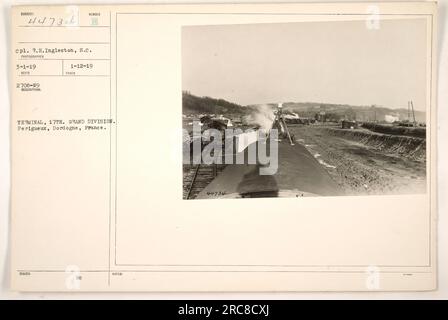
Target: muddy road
[(360, 169)]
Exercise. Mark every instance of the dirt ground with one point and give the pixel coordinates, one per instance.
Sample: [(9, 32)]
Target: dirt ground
[(359, 169)]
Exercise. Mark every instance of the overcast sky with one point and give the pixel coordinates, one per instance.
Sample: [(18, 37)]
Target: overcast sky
[(333, 62)]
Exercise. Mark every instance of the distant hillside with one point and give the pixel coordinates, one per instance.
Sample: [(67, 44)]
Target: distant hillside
[(345, 111), (192, 104), (197, 105)]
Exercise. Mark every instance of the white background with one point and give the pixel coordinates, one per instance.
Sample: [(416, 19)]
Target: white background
[(5, 293)]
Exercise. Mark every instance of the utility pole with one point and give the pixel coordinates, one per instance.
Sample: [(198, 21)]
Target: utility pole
[(374, 113), (413, 113), (409, 111)]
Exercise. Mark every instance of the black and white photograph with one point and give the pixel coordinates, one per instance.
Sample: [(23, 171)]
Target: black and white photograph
[(321, 108), (308, 136)]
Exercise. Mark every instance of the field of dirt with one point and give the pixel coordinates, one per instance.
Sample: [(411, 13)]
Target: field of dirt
[(361, 168)]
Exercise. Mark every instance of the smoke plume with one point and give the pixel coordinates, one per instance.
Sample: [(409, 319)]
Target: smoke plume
[(263, 117)]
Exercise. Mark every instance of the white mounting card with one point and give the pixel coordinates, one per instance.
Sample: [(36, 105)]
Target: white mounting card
[(125, 178)]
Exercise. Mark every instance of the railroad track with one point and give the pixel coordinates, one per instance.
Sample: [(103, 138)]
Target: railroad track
[(197, 177)]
